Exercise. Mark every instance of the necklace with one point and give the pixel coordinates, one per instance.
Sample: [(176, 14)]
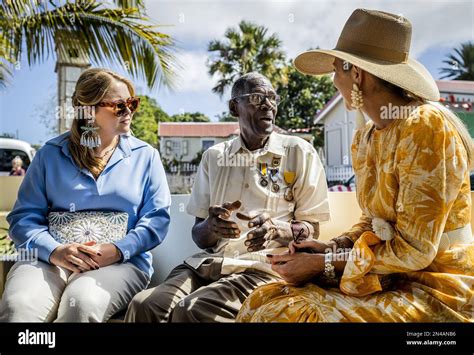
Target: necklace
[(102, 156)]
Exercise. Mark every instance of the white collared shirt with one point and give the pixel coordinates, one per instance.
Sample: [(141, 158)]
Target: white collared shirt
[(230, 172)]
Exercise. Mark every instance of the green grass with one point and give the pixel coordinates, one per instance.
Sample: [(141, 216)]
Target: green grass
[(6, 244)]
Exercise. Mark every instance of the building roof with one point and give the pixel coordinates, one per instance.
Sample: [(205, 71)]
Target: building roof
[(198, 129), (444, 86), (327, 108), (203, 129), (456, 86)]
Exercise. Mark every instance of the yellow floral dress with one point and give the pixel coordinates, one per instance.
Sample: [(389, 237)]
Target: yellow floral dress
[(413, 174)]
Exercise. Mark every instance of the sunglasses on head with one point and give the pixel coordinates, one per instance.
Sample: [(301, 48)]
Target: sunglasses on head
[(120, 106), (257, 99)]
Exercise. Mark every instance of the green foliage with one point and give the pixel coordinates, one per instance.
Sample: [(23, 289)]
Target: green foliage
[(245, 49), (7, 247), (302, 97), (226, 117), (197, 159), (249, 48), (145, 121), (121, 36), (190, 117), (461, 63)]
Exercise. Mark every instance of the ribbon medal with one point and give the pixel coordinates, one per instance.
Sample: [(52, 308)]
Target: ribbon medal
[(262, 169), (289, 177)]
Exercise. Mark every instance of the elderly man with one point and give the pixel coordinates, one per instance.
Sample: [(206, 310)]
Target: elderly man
[(253, 194)]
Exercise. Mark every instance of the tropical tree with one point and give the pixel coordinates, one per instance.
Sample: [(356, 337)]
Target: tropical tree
[(461, 63), (190, 117), (145, 120), (120, 35), (302, 97), (247, 48), (225, 116)]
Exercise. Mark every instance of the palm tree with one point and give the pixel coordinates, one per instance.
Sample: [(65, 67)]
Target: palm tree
[(121, 36), (461, 63), (247, 49)]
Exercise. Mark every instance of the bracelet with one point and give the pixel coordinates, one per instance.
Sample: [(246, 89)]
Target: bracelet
[(329, 270)]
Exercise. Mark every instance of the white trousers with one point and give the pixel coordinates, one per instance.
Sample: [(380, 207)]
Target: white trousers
[(40, 292)]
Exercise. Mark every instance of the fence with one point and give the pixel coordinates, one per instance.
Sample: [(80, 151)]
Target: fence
[(180, 184), (339, 172), (183, 168)]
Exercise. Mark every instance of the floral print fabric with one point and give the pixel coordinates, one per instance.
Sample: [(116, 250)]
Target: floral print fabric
[(414, 175)]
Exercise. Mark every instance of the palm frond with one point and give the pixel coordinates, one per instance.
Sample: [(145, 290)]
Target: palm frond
[(460, 63), (113, 37)]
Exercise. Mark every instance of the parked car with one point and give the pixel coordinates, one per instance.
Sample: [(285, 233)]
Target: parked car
[(348, 185), (9, 149)]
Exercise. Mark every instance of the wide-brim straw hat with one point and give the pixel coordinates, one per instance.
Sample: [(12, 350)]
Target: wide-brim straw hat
[(379, 43)]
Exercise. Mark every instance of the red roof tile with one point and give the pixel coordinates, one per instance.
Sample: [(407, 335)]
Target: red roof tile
[(456, 86), (198, 129)]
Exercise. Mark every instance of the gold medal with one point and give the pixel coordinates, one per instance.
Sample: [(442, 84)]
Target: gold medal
[(275, 162), (289, 177)]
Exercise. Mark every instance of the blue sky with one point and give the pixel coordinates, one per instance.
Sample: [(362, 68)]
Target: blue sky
[(438, 26)]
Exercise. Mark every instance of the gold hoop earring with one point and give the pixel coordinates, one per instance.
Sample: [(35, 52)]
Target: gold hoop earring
[(357, 101)]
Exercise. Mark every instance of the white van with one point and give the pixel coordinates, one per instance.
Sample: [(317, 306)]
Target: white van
[(9, 149)]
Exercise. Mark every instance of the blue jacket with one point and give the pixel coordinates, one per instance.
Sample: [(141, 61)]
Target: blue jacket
[(133, 181)]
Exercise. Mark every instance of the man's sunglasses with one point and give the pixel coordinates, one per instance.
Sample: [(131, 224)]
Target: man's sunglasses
[(258, 99), (120, 106)]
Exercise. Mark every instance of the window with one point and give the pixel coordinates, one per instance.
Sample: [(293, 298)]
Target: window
[(173, 148), (7, 155), (176, 148), (206, 144)]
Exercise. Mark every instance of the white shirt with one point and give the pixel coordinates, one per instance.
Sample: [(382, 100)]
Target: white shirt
[(230, 172)]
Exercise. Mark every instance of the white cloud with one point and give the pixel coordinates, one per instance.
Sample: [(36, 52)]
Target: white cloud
[(300, 24), (308, 23), (193, 76)]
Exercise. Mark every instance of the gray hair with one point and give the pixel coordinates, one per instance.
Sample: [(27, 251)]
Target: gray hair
[(242, 84)]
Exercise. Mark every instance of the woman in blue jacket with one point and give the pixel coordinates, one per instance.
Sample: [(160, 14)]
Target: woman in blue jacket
[(96, 166)]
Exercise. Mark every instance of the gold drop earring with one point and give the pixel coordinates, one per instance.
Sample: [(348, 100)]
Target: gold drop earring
[(357, 103)]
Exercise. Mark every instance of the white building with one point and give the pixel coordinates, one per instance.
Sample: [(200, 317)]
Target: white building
[(339, 125)]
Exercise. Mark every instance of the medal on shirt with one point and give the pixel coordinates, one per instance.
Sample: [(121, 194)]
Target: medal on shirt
[(274, 175), (262, 169), (289, 177)]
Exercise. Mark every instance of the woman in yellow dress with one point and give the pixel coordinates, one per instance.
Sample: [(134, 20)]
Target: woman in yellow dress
[(411, 256)]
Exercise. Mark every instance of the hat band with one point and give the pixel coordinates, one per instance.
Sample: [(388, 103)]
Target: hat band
[(370, 51)]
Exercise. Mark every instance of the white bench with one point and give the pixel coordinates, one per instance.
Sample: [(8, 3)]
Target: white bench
[(178, 244)]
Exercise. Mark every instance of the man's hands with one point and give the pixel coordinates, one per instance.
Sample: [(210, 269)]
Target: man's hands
[(218, 224), (267, 229), (78, 258), (264, 229)]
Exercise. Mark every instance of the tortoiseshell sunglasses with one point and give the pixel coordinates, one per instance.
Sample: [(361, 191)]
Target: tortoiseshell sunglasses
[(120, 106)]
